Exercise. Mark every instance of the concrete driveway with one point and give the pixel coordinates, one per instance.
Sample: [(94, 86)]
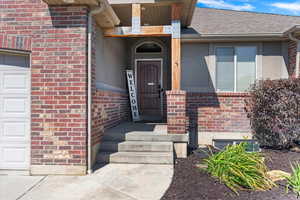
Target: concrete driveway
[(112, 182)]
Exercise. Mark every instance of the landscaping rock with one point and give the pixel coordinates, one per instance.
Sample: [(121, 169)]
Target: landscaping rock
[(295, 149), (202, 166), (277, 175)]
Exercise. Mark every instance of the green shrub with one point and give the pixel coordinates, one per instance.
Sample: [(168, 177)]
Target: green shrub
[(239, 169), (293, 181), (274, 112)]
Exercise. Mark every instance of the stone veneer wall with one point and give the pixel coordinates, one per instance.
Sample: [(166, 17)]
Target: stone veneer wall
[(56, 37)]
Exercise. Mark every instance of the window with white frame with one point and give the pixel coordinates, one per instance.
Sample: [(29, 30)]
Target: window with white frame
[(235, 68)]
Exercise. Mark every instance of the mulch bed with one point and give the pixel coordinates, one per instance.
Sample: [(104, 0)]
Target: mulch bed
[(190, 183)]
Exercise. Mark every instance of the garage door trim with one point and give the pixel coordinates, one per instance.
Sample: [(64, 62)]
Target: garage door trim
[(27, 95)]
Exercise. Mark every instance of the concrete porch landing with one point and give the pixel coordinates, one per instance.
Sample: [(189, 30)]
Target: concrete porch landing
[(141, 143), (143, 131), (127, 127)]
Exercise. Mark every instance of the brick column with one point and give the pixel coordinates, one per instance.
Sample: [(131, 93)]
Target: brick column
[(176, 111)]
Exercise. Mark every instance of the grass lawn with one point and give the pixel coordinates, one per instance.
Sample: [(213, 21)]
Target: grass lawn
[(190, 183)]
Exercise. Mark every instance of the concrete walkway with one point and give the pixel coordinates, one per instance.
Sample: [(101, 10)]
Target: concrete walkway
[(112, 182)]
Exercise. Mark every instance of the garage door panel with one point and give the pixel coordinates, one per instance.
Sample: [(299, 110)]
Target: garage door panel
[(15, 81), (15, 156), (15, 130), (15, 107)]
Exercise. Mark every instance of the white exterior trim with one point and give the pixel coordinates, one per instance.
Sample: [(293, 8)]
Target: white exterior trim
[(259, 61)]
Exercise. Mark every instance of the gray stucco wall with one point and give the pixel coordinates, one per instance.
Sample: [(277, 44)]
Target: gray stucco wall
[(198, 63), (111, 62), (195, 67)]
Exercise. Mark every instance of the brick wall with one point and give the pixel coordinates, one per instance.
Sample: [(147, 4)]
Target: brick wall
[(292, 52), (15, 42), (218, 112), (109, 109), (58, 74)]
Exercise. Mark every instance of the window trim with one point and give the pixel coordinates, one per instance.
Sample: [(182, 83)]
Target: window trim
[(235, 66), (148, 42)]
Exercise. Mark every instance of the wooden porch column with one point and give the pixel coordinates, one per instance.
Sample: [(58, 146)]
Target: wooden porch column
[(176, 98), (176, 46), (136, 18)]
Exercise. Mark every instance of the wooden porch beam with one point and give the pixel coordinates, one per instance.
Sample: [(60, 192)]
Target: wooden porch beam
[(136, 18), (145, 31), (176, 46)]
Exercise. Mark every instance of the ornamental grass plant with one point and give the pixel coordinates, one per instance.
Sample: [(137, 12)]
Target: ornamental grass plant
[(293, 181), (239, 169)]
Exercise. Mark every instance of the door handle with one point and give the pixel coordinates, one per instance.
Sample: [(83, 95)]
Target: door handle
[(160, 90)]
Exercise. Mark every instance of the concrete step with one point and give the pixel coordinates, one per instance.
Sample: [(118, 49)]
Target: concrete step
[(136, 157), (145, 136), (136, 146)]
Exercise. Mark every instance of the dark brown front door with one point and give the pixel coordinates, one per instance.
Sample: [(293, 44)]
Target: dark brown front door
[(149, 88)]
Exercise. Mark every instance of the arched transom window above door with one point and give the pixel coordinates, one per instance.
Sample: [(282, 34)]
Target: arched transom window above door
[(149, 47)]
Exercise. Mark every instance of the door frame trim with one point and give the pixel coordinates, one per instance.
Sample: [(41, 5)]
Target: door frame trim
[(161, 78)]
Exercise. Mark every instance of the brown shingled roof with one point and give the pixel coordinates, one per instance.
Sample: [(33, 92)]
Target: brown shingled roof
[(207, 21)]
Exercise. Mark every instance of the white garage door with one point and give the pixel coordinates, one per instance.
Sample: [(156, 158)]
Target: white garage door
[(14, 111)]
